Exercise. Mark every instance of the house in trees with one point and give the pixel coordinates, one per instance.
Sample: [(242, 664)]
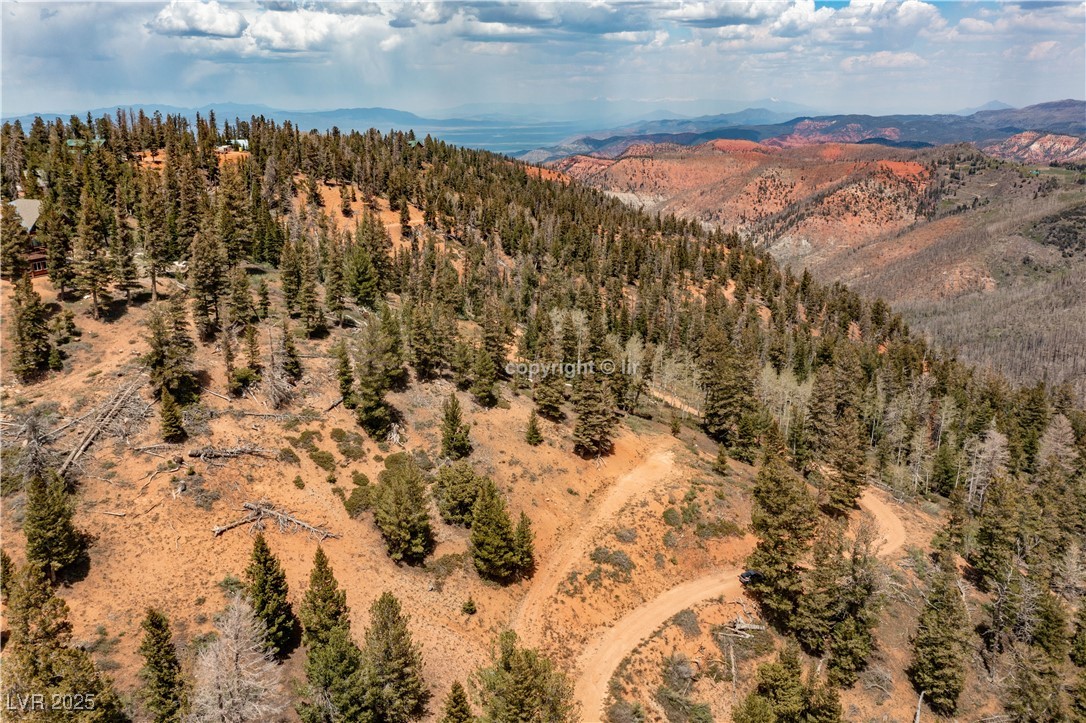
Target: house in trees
[(29, 209)]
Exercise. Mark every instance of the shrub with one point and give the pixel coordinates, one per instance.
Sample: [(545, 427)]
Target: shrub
[(298, 482), (455, 489), (323, 459), (672, 517), (288, 455), (349, 444), (468, 608), (360, 500)]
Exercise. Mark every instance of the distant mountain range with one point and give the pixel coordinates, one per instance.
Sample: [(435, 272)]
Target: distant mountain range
[(1064, 118), (510, 128)]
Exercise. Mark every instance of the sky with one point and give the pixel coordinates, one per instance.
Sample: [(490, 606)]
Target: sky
[(867, 56)]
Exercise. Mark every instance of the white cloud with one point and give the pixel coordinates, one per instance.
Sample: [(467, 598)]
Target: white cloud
[(1044, 50), (208, 19), (391, 42), (882, 60)]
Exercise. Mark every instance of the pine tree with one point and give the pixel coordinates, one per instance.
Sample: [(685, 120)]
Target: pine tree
[(163, 684), (207, 280), (523, 546), (236, 677), (263, 303), (400, 512), (52, 540), (493, 542), (91, 252), (939, 644), (7, 575), (822, 705), (396, 691), (14, 244), (361, 276), (335, 284), (846, 455), (595, 420), (29, 332), (324, 606), (345, 374), (267, 590), (1078, 642), (232, 213), (532, 435), (781, 684), (37, 657), (457, 707), (171, 350), (523, 685), (819, 607), (485, 376), (372, 411), (1033, 694), (241, 299), (754, 709), (170, 420), (997, 532), (122, 259), (335, 671), (456, 487), (386, 343), (783, 518), (309, 306), (427, 350), (153, 232), (292, 363), (729, 386), (455, 443)]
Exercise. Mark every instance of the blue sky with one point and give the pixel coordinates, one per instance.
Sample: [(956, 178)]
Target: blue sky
[(876, 56)]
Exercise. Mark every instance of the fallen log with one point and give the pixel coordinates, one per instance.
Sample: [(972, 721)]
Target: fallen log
[(259, 511), (333, 405), (206, 453), (113, 406)]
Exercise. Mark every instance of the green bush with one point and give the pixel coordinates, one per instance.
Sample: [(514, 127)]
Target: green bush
[(360, 500), (672, 517), (298, 482), (323, 459), (349, 444), (288, 455), (359, 478)]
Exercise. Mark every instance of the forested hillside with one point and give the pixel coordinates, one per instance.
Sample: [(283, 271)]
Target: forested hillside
[(239, 296)]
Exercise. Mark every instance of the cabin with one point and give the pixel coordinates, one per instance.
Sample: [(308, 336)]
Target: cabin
[(29, 209)]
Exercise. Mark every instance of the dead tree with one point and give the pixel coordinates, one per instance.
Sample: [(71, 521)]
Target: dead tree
[(110, 410), (206, 453), (261, 511)]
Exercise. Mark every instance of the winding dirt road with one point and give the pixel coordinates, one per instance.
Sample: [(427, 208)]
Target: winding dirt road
[(600, 658), (530, 615)]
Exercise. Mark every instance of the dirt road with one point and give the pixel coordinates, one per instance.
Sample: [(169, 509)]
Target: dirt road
[(530, 614), (606, 651)]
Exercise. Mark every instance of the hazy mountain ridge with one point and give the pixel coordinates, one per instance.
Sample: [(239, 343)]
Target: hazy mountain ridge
[(986, 128)]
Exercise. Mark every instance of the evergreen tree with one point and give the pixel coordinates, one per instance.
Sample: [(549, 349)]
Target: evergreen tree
[(1033, 695), (846, 455), (595, 420), (122, 259), (170, 420), (783, 518), (820, 605), (29, 332), (523, 685), (14, 244), (267, 590), (52, 541), (37, 656), (524, 546), (396, 691), (163, 684), (781, 683), (386, 343), (754, 709), (335, 284), (361, 277), (400, 512), (372, 411), (324, 606), (822, 705), (457, 707), (171, 350), (939, 644), (997, 532), (335, 672), (484, 377), (292, 363), (7, 575), (91, 252), (207, 280), (153, 210), (345, 374), (532, 435), (493, 542), (263, 302), (456, 487), (729, 386), (241, 299), (1049, 631), (309, 306), (427, 349), (1078, 642), (455, 443)]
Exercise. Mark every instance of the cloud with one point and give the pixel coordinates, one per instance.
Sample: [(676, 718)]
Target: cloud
[(882, 60), (334, 7), (720, 13), (198, 19), (391, 42), (1044, 51)]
